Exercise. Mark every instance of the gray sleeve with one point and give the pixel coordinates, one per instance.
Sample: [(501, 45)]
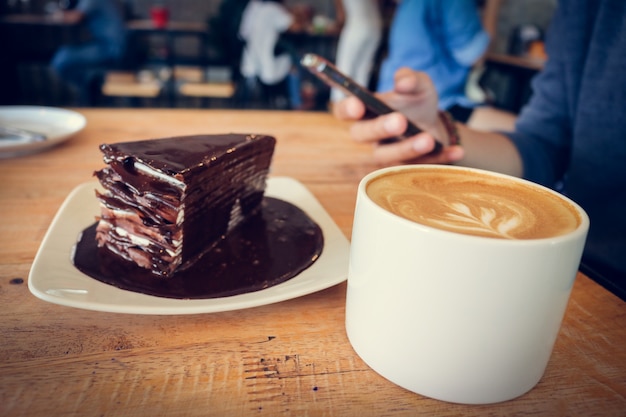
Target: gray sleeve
[(543, 131)]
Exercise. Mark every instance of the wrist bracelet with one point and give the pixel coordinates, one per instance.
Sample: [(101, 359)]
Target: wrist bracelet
[(448, 123)]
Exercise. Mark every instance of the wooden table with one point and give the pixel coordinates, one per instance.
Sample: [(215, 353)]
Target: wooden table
[(29, 19), (291, 358), (527, 63)]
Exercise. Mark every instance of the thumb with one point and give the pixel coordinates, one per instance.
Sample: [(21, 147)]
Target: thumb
[(408, 81)]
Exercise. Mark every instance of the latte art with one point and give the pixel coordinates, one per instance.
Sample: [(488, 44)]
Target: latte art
[(468, 213), (473, 203)]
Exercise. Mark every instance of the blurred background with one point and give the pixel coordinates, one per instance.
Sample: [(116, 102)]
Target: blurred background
[(187, 53)]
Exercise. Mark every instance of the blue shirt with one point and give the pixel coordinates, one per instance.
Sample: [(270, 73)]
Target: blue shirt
[(572, 133), (105, 24), (443, 38)]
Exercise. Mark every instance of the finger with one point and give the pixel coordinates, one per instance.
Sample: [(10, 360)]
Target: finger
[(349, 108), (448, 155), (416, 150), (408, 81), (404, 150), (382, 127)]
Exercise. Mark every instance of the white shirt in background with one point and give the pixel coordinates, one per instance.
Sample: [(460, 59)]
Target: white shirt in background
[(261, 26), (358, 41)]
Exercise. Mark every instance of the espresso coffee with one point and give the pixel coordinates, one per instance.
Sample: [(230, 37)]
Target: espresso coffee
[(473, 203)]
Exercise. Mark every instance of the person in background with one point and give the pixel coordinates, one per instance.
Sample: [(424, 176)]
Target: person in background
[(224, 36), (262, 23), (358, 41), (443, 38), (81, 65), (570, 135)]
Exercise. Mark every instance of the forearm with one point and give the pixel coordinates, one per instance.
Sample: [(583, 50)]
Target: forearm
[(489, 150)]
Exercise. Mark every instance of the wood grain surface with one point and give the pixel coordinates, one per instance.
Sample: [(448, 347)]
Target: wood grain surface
[(286, 359)]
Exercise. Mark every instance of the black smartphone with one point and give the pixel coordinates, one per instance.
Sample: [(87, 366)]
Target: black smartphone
[(329, 74)]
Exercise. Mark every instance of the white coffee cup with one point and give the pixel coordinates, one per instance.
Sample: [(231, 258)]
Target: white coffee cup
[(452, 316)]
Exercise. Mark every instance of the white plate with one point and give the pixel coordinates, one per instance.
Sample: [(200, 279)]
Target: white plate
[(54, 278), (57, 124)]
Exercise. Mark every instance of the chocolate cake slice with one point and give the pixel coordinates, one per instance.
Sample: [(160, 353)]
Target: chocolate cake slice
[(168, 201)]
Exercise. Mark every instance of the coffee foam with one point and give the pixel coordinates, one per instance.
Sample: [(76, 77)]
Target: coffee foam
[(473, 203)]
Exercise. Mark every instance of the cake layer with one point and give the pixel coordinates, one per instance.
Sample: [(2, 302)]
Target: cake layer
[(168, 201)]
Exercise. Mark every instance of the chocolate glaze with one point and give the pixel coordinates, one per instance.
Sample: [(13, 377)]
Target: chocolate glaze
[(182, 155), (270, 247)]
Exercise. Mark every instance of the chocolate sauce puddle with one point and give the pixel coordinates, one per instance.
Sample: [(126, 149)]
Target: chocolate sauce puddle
[(271, 247)]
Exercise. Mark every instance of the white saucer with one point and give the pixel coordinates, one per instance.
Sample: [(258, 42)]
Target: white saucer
[(54, 278), (57, 124)]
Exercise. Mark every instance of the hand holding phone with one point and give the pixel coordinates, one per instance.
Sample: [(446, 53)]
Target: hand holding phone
[(330, 75)]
